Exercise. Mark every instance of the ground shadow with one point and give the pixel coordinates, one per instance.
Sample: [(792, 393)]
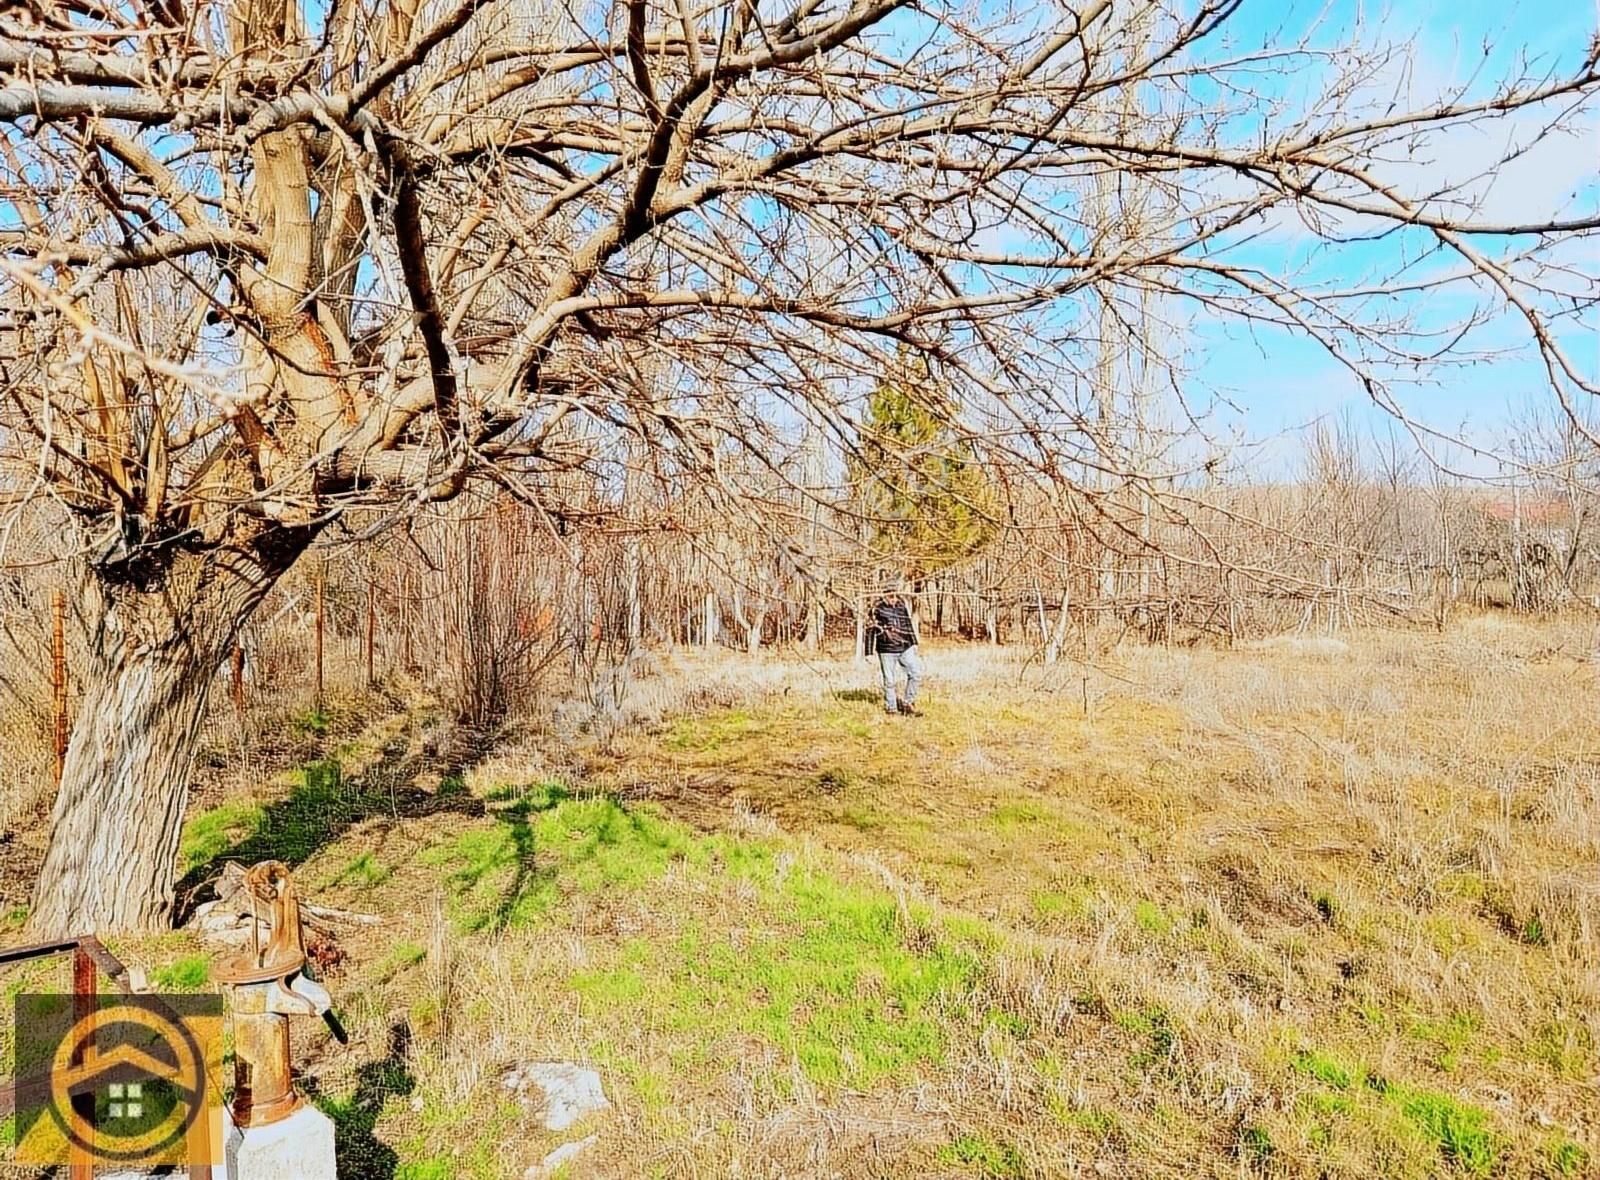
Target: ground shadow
[(361, 1154), (522, 881), (864, 695), (527, 877), (507, 876), (327, 803)]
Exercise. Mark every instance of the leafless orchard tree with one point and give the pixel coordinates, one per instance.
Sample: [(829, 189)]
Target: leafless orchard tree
[(266, 261)]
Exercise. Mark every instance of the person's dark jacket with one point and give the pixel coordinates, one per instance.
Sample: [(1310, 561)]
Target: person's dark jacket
[(891, 627)]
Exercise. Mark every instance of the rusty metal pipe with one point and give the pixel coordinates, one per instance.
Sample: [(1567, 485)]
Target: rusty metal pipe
[(263, 1083)]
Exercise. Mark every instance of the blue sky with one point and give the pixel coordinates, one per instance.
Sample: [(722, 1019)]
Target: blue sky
[(1279, 382)]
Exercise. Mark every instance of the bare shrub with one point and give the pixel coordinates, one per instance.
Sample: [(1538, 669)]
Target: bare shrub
[(492, 610)]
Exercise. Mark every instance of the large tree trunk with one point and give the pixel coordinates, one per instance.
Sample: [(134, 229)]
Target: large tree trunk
[(156, 647), (114, 833)]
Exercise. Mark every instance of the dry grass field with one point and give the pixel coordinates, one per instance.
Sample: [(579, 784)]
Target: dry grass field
[(1315, 907)]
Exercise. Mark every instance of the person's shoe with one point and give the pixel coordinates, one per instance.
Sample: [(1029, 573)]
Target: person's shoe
[(894, 712), (911, 711)]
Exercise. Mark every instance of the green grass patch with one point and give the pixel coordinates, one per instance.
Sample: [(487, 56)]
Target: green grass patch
[(320, 805), (1100, 1123), (434, 1169), (187, 974), (1008, 1022), (1565, 1045), (611, 989), (1328, 1070), (1152, 919), (988, 1157), (1464, 884), (511, 870), (1155, 1027), (1460, 1132), (1072, 903), (653, 1089), (852, 727), (1453, 1037), (401, 956), (848, 985), (1567, 1158), (1455, 1131), (705, 734), (852, 993), (311, 723), (363, 1154), (1022, 814), (864, 818), (1255, 1145), (208, 836)]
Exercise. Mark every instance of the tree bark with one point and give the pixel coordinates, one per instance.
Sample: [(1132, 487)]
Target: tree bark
[(816, 622), (114, 831), (753, 622), (157, 645)]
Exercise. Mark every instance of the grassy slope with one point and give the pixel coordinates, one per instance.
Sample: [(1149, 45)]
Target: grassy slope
[(1293, 911)]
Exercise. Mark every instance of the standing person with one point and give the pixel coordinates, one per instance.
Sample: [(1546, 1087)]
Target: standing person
[(895, 640)]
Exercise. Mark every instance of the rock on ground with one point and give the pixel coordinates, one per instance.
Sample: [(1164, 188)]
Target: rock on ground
[(569, 1092), (564, 1154)]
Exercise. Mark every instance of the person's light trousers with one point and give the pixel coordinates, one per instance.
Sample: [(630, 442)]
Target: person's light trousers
[(893, 664)]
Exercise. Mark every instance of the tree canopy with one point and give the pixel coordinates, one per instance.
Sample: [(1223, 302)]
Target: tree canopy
[(926, 495)]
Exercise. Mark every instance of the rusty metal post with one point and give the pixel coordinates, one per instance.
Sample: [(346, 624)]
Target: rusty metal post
[(85, 986), (322, 578), (58, 681), (372, 625)]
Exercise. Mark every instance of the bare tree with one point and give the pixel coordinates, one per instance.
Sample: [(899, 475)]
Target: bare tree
[(273, 260)]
